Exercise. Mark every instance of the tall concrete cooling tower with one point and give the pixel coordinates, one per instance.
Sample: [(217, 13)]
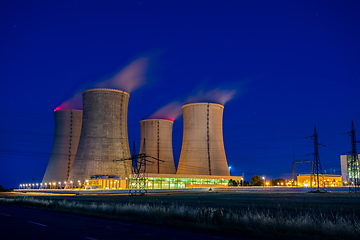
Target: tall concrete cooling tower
[(104, 136), (66, 139), (202, 151), (158, 144)]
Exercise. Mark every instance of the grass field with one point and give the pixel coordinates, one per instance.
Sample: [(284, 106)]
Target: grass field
[(261, 215)]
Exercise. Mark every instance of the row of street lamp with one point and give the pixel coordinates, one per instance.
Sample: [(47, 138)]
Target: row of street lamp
[(47, 185)]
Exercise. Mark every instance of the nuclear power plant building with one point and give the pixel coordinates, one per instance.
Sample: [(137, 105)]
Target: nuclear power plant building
[(104, 136), (202, 160), (91, 147), (67, 130), (156, 141), (202, 151)]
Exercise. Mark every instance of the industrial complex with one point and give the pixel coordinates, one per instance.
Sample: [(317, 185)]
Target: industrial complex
[(91, 150), (91, 147)]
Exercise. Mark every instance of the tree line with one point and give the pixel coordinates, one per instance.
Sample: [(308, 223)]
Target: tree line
[(256, 180)]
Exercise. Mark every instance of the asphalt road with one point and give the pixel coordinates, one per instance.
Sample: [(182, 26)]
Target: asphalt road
[(25, 223)]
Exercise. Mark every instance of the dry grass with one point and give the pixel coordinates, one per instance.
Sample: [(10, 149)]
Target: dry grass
[(249, 222)]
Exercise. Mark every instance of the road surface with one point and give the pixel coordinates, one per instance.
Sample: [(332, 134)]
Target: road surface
[(25, 223)]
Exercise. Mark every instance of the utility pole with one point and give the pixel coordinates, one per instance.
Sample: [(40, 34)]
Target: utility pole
[(317, 170), (294, 178), (354, 162), (133, 153)]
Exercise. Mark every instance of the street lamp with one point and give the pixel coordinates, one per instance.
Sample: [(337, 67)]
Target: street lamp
[(230, 170), (264, 181)]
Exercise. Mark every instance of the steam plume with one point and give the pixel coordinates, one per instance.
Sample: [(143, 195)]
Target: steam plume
[(217, 95), (128, 79), (73, 103), (171, 112)]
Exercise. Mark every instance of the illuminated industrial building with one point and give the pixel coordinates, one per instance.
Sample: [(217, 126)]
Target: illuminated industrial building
[(102, 159), (326, 180), (347, 173), (178, 181), (105, 182), (202, 160)]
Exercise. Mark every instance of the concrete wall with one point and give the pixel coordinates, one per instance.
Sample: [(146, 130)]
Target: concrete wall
[(202, 151), (344, 167), (104, 136), (158, 143), (66, 139)]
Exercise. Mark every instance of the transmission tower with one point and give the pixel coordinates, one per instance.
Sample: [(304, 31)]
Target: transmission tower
[(301, 161), (139, 160), (317, 170), (354, 162)]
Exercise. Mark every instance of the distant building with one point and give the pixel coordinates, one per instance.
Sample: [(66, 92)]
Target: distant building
[(346, 172), (159, 181), (326, 180), (178, 181)]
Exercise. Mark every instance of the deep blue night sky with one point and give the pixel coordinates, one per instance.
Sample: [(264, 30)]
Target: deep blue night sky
[(292, 65)]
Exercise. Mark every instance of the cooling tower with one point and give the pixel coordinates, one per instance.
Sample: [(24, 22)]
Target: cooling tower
[(104, 136), (202, 151), (66, 139), (158, 144)]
